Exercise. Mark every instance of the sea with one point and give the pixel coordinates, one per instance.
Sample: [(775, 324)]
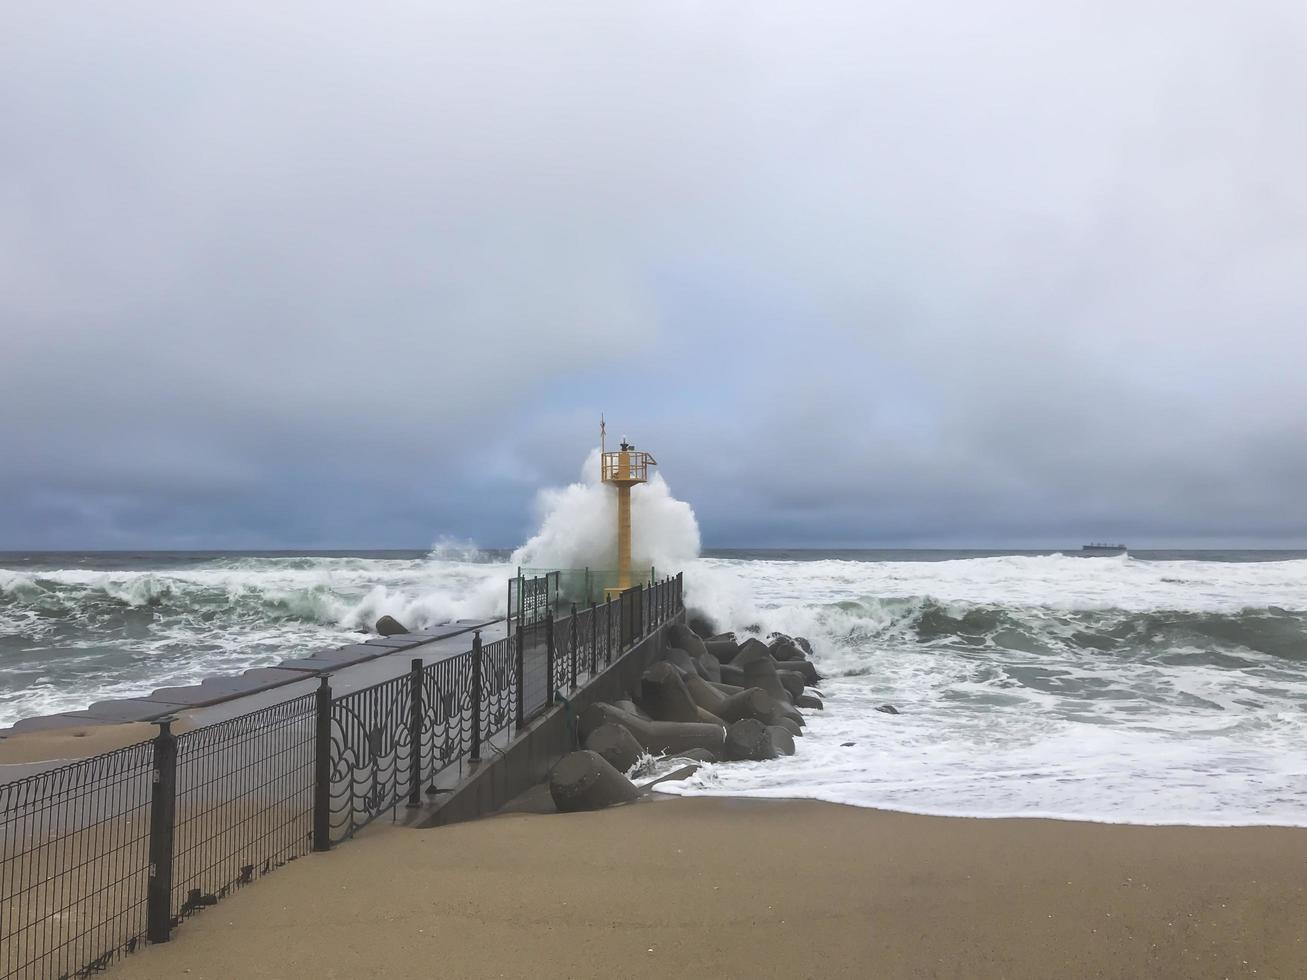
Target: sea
[(1158, 687)]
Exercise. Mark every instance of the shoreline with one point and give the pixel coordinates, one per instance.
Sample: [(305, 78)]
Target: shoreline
[(1040, 816), (760, 888), (55, 747)]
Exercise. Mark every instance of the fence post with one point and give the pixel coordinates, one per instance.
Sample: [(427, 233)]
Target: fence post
[(475, 755), (520, 670), (574, 646), (163, 810), (551, 657), (322, 767), (415, 732), (594, 638), (608, 630)]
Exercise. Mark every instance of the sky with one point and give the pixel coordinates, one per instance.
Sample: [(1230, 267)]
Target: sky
[(934, 274)]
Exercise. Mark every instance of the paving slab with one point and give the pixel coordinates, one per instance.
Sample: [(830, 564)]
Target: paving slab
[(133, 709), (211, 690), (399, 641), (65, 719)]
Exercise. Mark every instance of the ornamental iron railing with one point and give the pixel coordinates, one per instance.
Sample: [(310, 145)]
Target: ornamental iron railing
[(102, 855), (583, 586)]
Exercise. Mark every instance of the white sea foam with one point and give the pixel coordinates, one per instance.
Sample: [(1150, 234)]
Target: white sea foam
[(1107, 689), (577, 526), (76, 635)]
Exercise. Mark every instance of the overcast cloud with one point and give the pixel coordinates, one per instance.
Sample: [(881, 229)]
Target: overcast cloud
[(363, 275)]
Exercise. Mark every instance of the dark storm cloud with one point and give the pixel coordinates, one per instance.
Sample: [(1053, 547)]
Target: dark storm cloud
[(947, 273)]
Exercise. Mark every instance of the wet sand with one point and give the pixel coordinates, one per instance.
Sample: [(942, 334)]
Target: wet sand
[(743, 888), (77, 741)]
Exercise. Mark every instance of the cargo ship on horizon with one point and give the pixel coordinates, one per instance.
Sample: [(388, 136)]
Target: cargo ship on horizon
[(1103, 549)]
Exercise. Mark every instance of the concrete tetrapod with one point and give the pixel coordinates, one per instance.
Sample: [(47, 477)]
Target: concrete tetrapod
[(791, 681), (615, 744), (682, 661), (707, 717), (789, 724), (750, 650), (655, 737), (803, 667), (732, 674), (783, 648), (750, 702), (390, 626), (808, 701), (587, 781), (633, 708), (762, 673), (680, 635), (710, 668), (781, 707), (723, 650), (749, 740), (663, 694), (781, 740), (705, 694)]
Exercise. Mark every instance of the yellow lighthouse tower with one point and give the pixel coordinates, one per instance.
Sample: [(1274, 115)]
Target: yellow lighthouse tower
[(623, 469)]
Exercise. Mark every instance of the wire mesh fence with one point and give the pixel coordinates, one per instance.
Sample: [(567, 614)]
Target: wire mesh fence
[(244, 802), (74, 866)]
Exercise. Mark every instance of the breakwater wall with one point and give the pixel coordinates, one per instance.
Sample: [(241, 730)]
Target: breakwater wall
[(527, 760)]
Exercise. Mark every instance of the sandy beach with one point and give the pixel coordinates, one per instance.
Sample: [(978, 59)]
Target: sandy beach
[(746, 888), (77, 741)]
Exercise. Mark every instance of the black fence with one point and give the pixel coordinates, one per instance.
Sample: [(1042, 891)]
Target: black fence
[(104, 854), (533, 598)]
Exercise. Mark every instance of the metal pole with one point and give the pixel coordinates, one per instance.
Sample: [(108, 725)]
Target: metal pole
[(415, 732), (322, 767), (594, 638), (163, 811), (521, 678), (608, 630), (574, 646), (475, 754), (551, 658)]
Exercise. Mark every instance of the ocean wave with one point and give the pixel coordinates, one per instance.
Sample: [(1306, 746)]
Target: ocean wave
[(1096, 689), (73, 635), (1112, 689)]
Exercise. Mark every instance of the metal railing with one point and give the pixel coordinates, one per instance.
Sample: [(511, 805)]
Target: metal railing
[(585, 585), (104, 854), (532, 598)]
